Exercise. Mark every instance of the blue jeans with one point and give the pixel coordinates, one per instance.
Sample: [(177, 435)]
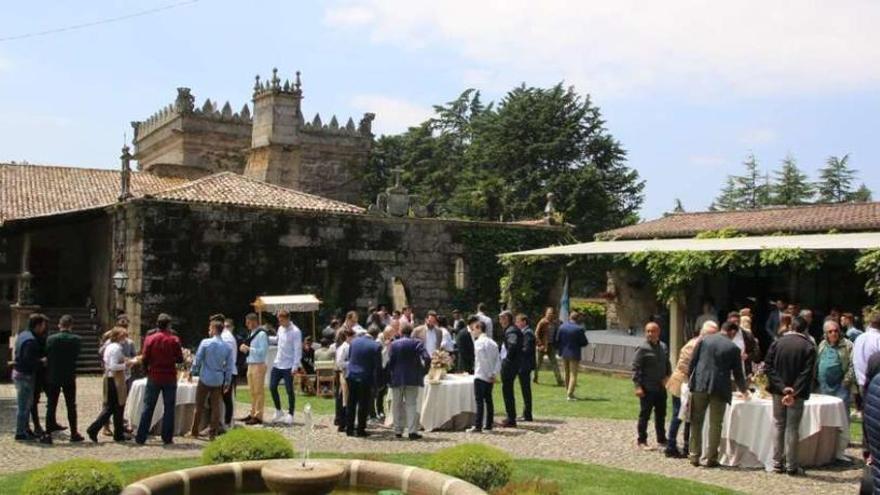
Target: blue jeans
[(151, 396), (24, 393), (275, 378), (674, 425)]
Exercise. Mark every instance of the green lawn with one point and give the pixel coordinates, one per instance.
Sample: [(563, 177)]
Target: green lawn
[(601, 396), (573, 479)]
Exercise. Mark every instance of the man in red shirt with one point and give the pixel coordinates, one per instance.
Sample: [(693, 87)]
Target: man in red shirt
[(160, 355)]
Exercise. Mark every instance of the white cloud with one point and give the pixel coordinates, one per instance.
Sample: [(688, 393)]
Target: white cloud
[(393, 115), (758, 136), (748, 47)]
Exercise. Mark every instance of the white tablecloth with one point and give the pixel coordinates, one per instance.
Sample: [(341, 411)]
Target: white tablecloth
[(183, 413), (748, 432), (449, 404)]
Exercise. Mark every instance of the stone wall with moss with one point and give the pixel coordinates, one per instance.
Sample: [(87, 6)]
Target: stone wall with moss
[(203, 259)]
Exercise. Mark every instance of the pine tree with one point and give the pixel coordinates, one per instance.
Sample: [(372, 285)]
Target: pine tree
[(679, 208), (835, 181), (728, 199), (791, 187), (861, 195), (750, 192), (745, 192)]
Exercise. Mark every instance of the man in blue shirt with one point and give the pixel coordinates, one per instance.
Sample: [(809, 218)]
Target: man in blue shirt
[(213, 364), (570, 341), (256, 346)]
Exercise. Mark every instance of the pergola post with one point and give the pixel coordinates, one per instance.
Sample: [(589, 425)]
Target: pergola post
[(676, 326)]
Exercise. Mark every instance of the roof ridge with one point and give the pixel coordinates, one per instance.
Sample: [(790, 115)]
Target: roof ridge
[(255, 181), (768, 208)]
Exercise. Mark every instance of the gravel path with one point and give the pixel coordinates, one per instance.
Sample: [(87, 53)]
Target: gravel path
[(604, 442)]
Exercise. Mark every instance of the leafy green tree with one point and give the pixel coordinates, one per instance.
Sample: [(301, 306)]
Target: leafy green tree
[(836, 181), (498, 162), (791, 187), (727, 199), (861, 195)]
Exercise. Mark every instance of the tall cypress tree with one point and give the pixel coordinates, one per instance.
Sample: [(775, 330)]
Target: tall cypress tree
[(792, 187)]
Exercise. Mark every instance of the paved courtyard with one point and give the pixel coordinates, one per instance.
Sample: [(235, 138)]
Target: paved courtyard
[(604, 442)]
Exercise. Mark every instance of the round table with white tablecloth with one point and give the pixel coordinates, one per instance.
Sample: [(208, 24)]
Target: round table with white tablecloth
[(748, 432), (184, 411), (448, 405)]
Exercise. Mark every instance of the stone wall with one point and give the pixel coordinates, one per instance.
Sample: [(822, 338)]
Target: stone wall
[(203, 259), (633, 301)]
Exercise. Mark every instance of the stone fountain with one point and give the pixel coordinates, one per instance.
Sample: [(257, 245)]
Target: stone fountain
[(302, 477)]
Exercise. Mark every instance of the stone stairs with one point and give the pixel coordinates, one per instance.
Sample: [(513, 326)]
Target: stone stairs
[(89, 362)]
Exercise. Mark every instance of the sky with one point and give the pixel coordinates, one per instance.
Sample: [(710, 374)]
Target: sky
[(688, 87)]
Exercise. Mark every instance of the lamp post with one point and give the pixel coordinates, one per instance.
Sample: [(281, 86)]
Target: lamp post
[(120, 282)]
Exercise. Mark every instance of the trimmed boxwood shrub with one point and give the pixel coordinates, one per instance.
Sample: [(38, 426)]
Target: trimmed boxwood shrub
[(75, 477), (484, 466), (247, 444)]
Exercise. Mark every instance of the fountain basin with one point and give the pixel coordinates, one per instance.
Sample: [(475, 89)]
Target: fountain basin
[(246, 477), (287, 477)]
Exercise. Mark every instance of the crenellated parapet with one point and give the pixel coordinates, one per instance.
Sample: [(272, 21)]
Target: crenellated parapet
[(364, 129), (184, 106)]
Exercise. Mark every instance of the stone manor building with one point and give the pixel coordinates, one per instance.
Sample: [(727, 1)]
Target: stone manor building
[(225, 206)]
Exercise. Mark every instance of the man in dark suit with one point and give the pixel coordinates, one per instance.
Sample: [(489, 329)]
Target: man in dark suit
[(570, 341), (407, 363), (464, 348), (364, 363), (771, 327), (714, 359), (527, 364), (511, 361), (789, 367)]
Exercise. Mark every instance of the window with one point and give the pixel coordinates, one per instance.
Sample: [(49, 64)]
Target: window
[(459, 273)]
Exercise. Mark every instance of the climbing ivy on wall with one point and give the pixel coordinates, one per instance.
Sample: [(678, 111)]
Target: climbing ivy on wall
[(672, 273), (868, 264), (489, 274)]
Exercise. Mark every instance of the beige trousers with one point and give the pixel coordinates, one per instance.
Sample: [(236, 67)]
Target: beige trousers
[(570, 367), (256, 377)]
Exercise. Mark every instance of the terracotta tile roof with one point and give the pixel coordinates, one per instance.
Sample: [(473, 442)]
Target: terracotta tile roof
[(28, 191), (797, 219), (233, 189)]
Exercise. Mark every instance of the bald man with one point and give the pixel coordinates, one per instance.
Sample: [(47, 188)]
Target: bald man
[(651, 370)]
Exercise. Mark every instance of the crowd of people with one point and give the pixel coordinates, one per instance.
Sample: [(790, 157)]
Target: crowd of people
[(839, 360), (393, 351)]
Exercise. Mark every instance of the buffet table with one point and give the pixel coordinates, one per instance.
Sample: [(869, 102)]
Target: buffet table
[(748, 432), (448, 405), (184, 411)]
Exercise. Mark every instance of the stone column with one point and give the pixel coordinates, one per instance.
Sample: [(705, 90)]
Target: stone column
[(676, 326)]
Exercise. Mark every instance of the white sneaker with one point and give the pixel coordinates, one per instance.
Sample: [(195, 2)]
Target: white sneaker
[(277, 417), (287, 419), (473, 429)]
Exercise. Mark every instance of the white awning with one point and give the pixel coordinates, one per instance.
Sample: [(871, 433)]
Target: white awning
[(300, 303), (810, 242)]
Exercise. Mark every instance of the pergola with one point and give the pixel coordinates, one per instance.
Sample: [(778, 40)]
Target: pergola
[(807, 242)]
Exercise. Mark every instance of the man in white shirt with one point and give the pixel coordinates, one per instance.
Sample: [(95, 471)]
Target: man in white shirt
[(342, 354), (287, 362), (433, 337), (487, 365), (867, 344), (228, 338), (487, 322), (407, 317)]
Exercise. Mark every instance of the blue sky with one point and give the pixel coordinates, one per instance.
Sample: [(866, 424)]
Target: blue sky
[(689, 87)]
